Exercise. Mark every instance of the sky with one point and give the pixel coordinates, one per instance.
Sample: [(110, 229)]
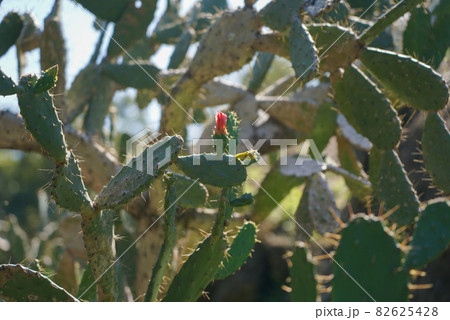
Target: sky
[(81, 37)]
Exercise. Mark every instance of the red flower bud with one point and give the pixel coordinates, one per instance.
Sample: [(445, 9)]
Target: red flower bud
[(221, 124)]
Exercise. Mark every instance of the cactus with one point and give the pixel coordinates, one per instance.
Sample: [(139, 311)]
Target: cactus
[(137, 75), (190, 193), (366, 107), (358, 257), (219, 171), (41, 119), (244, 200), (7, 85), (238, 252), (85, 288), (131, 26), (105, 9), (10, 29), (18, 283), (81, 92), (430, 236), (169, 239), (68, 188), (303, 53), (436, 150), (361, 122), (303, 283), (315, 205), (139, 174), (47, 80), (392, 186), (263, 61), (404, 77), (198, 271), (277, 14)]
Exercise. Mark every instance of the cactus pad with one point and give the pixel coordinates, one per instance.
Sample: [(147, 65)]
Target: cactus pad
[(371, 257), (109, 10), (189, 193), (20, 284), (411, 81), (431, 235), (436, 151), (41, 119), (277, 14), (137, 75), (7, 85), (240, 249), (225, 171), (197, 272), (367, 109), (392, 186), (68, 189), (303, 283), (140, 173), (10, 29), (302, 51)]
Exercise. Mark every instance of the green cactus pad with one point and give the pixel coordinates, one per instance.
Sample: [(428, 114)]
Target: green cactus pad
[(303, 283), (334, 53), (68, 189), (81, 92), (302, 51), (431, 235), (7, 85), (316, 203), (41, 119), (367, 109), (86, 283), (20, 284), (214, 170), (99, 106), (413, 82), (190, 193), (131, 26), (109, 10), (141, 75), (181, 48), (240, 249), (169, 32), (324, 125), (139, 174), (371, 257), (213, 6), (197, 272), (262, 64), (278, 186), (47, 80), (245, 200), (392, 186), (170, 238), (436, 151), (277, 14), (10, 29)]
